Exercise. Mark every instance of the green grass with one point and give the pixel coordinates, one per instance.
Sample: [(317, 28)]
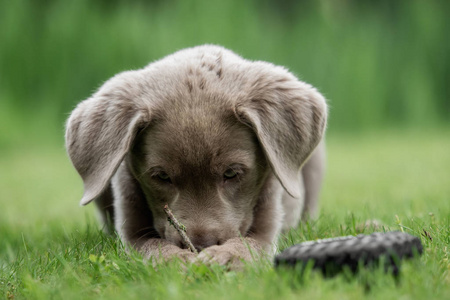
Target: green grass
[(52, 248)]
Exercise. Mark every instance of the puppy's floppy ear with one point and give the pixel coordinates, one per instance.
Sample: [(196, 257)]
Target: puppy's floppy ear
[(289, 119), (101, 130)]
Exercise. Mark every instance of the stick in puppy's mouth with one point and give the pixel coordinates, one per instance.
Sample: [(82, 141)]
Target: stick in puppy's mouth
[(180, 228)]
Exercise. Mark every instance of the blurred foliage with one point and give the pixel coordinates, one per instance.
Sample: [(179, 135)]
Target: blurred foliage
[(380, 63)]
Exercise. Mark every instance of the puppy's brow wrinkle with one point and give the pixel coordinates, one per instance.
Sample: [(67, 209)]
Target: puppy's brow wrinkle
[(189, 85), (219, 65), (202, 84)]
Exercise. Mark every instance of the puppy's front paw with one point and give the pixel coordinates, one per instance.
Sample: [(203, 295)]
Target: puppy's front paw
[(222, 255), (234, 253), (186, 258), (159, 251), (184, 255)]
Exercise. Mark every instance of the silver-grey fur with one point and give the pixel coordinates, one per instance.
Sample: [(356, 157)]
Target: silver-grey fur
[(169, 132)]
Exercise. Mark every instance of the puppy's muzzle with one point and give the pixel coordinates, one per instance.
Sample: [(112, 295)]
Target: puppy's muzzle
[(202, 240)]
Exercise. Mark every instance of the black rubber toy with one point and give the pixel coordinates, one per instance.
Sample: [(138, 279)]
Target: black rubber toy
[(334, 255)]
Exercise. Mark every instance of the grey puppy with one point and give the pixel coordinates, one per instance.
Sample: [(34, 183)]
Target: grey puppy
[(232, 146)]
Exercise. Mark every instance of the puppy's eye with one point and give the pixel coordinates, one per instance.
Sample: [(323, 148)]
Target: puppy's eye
[(164, 176), (229, 174)]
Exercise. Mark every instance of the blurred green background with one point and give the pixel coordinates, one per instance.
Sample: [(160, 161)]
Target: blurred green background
[(381, 64)]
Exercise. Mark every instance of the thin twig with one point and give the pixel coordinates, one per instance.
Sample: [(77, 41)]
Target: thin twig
[(180, 228)]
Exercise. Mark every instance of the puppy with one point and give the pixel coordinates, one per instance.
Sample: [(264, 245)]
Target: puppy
[(220, 139)]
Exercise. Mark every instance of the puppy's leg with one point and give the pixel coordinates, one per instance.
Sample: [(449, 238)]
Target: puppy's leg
[(134, 221), (105, 210), (293, 208), (313, 172)]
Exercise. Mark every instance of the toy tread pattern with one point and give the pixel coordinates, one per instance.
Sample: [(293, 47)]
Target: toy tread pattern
[(333, 255)]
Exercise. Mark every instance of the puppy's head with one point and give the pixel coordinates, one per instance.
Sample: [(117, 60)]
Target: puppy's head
[(199, 130), (207, 166)]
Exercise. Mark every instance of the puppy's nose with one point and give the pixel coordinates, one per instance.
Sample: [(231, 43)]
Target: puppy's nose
[(204, 241)]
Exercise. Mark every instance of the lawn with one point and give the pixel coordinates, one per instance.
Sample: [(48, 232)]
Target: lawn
[(52, 248), (380, 64)]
